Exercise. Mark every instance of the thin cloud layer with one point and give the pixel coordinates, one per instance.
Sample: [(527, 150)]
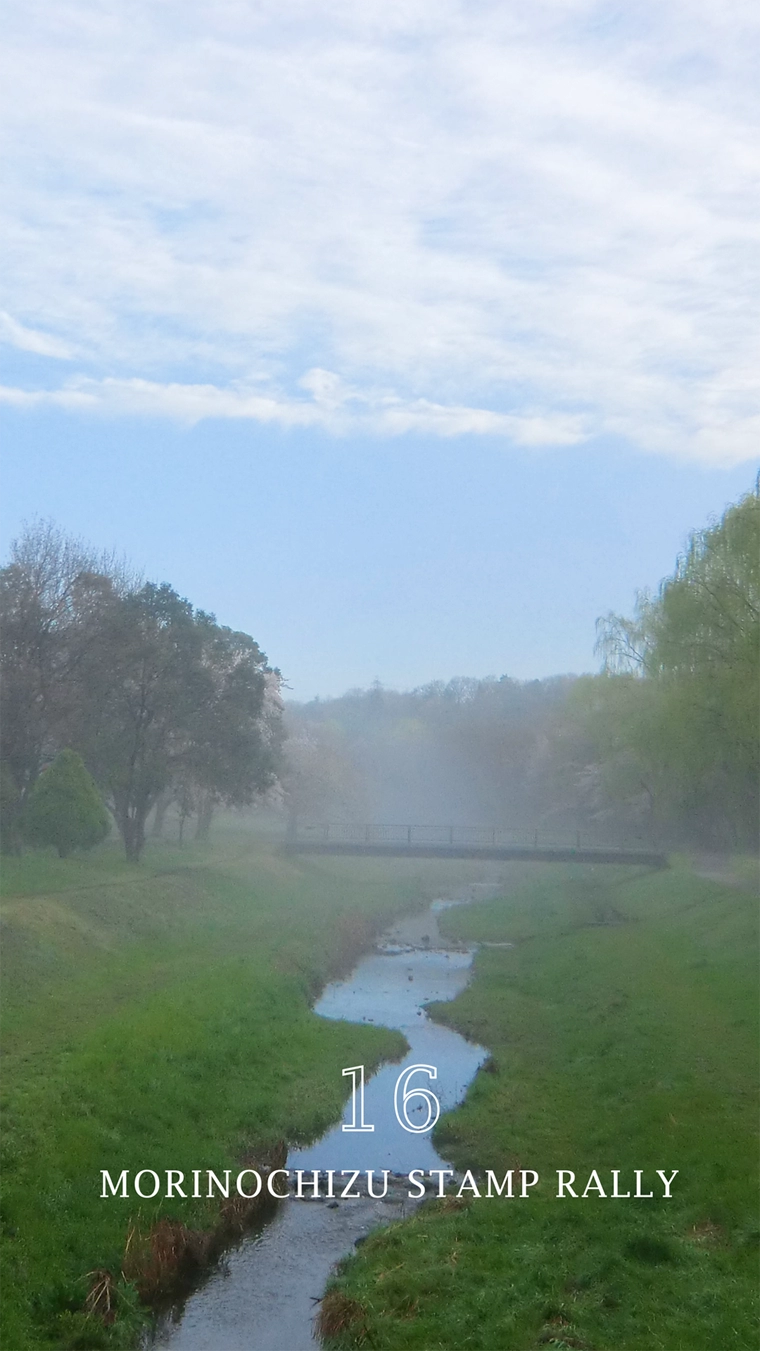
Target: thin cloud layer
[(537, 222)]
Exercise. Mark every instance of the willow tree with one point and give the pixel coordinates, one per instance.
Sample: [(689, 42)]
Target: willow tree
[(697, 644)]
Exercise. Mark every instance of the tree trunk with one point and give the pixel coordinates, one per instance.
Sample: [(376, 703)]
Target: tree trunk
[(162, 807), (133, 834), (205, 813)]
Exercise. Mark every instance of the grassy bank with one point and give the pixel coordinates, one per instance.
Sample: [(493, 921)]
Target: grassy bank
[(159, 1017), (623, 1025)]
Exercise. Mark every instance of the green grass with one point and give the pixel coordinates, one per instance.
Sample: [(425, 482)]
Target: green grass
[(623, 1026), (159, 1017)]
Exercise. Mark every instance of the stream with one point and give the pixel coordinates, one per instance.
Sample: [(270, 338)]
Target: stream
[(264, 1293)]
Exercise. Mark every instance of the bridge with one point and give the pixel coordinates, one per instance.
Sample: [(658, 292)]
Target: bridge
[(476, 842)]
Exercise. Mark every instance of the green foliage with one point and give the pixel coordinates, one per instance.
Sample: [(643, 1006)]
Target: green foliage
[(681, 703), (155, 696), (181, 703), (65, 808)]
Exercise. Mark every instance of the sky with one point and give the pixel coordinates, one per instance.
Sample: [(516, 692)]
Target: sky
[(409, 338)]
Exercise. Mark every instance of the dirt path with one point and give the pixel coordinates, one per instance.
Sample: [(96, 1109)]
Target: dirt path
[(721, 868)]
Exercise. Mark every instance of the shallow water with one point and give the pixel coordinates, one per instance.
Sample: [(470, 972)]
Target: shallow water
[(264, 1294)]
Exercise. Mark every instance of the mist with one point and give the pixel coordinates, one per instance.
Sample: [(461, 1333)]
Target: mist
[(468, 751)]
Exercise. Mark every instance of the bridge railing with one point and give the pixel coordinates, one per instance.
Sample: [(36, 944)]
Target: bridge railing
[(468, 837)]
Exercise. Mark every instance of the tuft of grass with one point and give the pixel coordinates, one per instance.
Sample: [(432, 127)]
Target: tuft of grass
[(339, 1315)]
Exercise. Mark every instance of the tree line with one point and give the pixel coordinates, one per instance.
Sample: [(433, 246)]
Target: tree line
[(465, 751), (680, 711), (661, 746), (162, 704), (156, 697)]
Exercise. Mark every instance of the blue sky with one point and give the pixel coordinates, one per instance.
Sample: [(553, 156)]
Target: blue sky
[(408, 337)]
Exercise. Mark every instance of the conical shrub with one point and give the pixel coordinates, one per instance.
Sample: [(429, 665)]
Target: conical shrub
[(65, 808)]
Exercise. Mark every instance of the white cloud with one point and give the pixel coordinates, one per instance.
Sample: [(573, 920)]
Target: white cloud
[(73, 399), (340, 411), (537, 222), (31, 340)]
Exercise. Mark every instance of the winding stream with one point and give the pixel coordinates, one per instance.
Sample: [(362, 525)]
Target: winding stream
[(263, 1295)]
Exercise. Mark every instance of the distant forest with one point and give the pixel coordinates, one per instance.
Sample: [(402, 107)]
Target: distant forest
[(661, 746)]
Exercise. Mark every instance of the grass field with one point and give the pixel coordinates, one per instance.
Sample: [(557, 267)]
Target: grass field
[(623, 1026), (158, 1017)]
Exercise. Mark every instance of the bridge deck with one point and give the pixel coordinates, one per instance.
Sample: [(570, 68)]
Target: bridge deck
[(461, 842)]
